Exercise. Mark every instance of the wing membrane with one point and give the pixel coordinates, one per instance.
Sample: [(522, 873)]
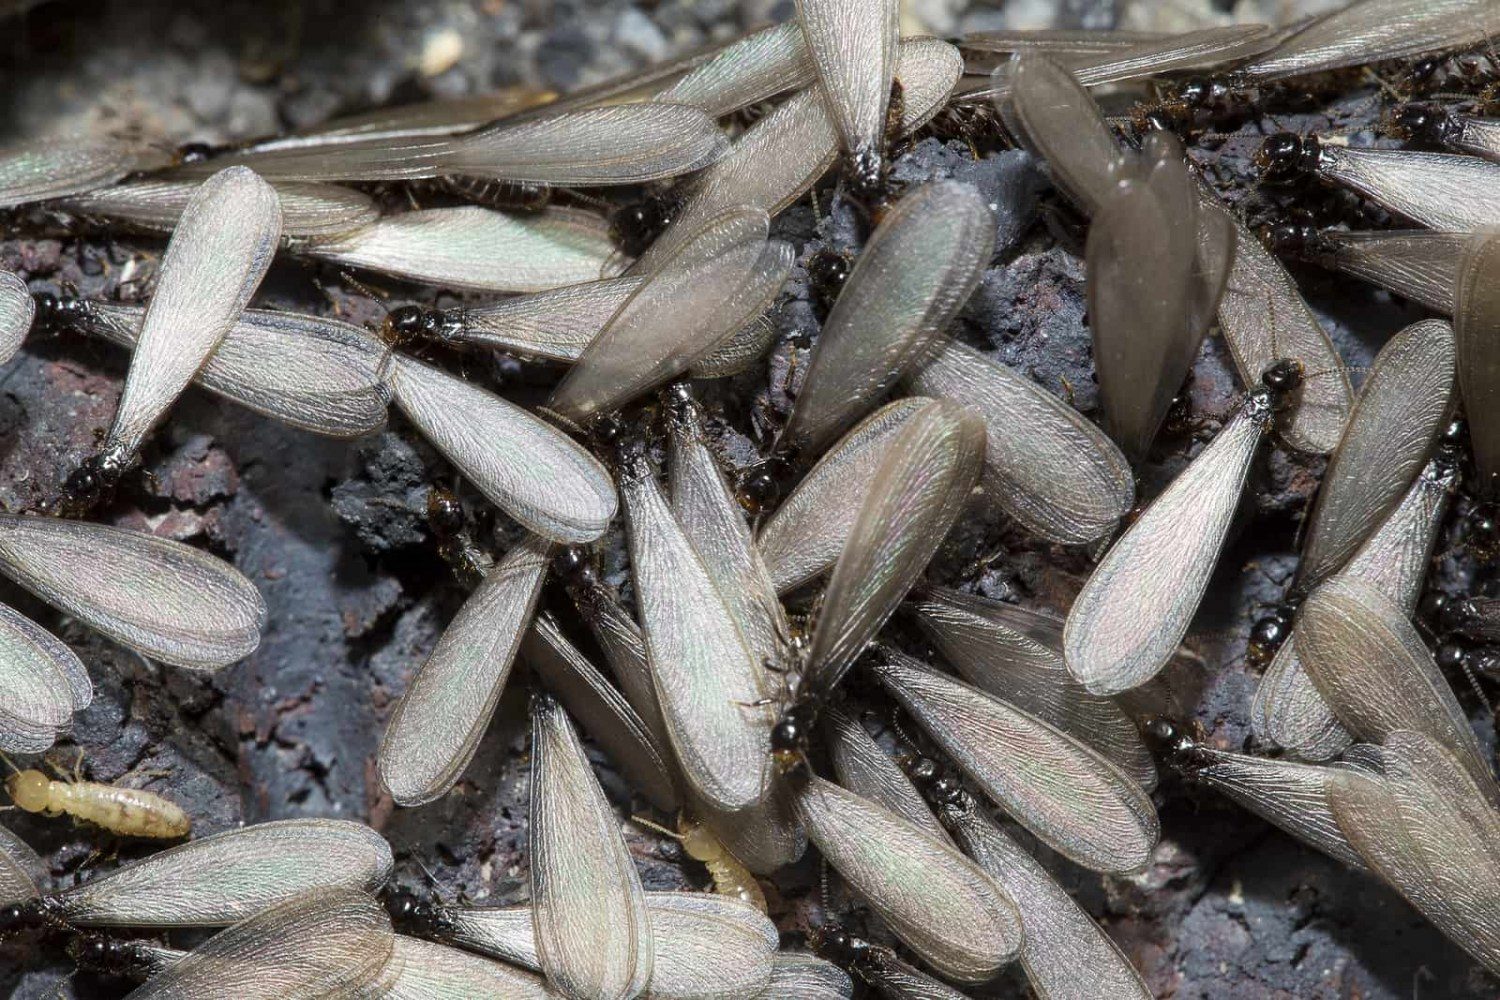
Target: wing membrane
[(55, 168), (807, 977), (1419, 264), (307, 210), (1477, 324), (758, 66), (16, 313), (1444, 191), (853, 45), (21, 871), (1063, 124), (866, 770), (42, 683)]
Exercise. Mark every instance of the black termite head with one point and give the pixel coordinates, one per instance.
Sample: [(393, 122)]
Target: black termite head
[(1425, 125), (761, 486), (575, 567), (58, 312), (1283, 376), (1270, 631), (417, 914), (1482, 536), (108, 956), (941, 787), (1422, 75), (833, 942), (445, 514), (193, 152), (1171, 740), (827, 270), (634, 227), (864, 175), (1288, 156)]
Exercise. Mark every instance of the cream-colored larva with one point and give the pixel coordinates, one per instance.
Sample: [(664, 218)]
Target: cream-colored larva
[(128, 812)]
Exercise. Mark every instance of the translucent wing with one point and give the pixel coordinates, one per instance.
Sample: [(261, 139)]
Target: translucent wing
[(312, 372), (42, 683), (766, 837), (1063, 124), (1288, 711), (1477, 325), (436, 726), (521, 463), (624, 649), (1419, 264), (324, 944), (21, 871), (1016, 655), (853, 45), (16, 312), (213, 263), (443, 116), (593, 936), (602, 711), (913, 275), (934, 899), (758, 66), (1141, 255), (715, 522), (778, 159), (164, 599), (619, 144), (1370, 664), (1374, 31), (707, 681), (1438, 190), (1064, 953), (373, 157), (807, 977), (720, 279), (866, 770), (1075, 800), (55, 168), (803, 539), (231, 876), (431, 971), (556, 324), (307, 210), (1136, 606), (1480, 136), (1045, 464), (915, 496), (471, 248), (1264, 318)]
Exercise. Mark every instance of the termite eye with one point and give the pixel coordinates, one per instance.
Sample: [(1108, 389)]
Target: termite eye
[(12, 915), (923, 770), (1433, 606), (1283, 375), (608, 430), (1450, 656), (760, 489)]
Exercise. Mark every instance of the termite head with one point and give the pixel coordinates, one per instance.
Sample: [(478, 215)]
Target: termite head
[(1172, 742), (58, 312), (827, 270), (1483, 537), (1209, 93), (1285, 156), (865, 173), (15, 917), (415, 914), (576, 569), (941, 787), (1270, 631), (1423, 124), (102, 954), (837, 945), (445, 513), (1283, 376), (193, 152), (790, 734), (30, 790), (636, 226), (1423, 73), (762, 486), (93, 481)]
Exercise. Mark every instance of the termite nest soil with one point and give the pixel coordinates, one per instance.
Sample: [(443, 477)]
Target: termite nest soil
[(333, 533)]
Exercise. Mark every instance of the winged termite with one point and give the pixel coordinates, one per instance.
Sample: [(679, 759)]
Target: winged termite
[(1418, 264), (1064, 953), (866, 770), (307, 210), (707, 947), (752, 69), (915, 495), (1263, 317), (1374, 31), (42, 683), (807, 977), (218, 880), (1288, 711), (312, 372), (202, 613), (1074, 799), (1015, 654), (521, 463), (878, 966), (1370, 664), (458, 248), (602, 711), (1445, 191), (56, 168), (853, 45), (325, 943), (125, 812), (1476, 321), (213, 263), (435, 728), (1429, 827), (914, 274), (938, 902), (449, 525), (717, 281), (128, 959), (784, 154), (17, 310), (707, 682), (593, 935)]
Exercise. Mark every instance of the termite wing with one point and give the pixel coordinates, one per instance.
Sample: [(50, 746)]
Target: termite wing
[(1431, 828), (913, 275), (42, 683), (1071, 797), (22, 872), (1476, 321), (593, 933), (476, 249), (1445, 191), (218, 880), (202, 613), (878, 966), (444, 116), (524, 465), (760, 65), (1064, 953), (1417, 264), (213, 263), (56, 168), (806, 977), (1053, 115), (784, 154), (707, 947), (307, 210), (1287, 710), (1287, 794), (704, 293), (436, 727), (861, 766), (853, 45), (1375, 31), (1371, 666), (17, 310), (325, 943), (1015, 654)]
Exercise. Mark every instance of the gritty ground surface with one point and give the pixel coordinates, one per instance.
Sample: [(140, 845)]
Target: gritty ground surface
[(332, 532)]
